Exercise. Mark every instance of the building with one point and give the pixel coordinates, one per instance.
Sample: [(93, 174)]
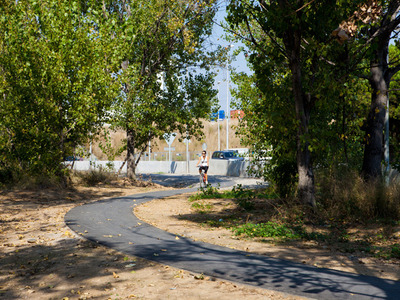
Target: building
[(237, 114)]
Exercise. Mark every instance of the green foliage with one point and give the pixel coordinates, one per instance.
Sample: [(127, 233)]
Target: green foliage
[(335, 131), (202, 208), (239, 192), (283, 176), (243, 197), (209, 192), (106, 146), (55, 86), (18, 179), (269, 229), (395, 251), (348, 215), (67, 66), (156, 46), (382, 252), (394, 111), (334, 101)]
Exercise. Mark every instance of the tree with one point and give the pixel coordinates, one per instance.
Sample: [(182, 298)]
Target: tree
[(270, 124), (394, 110), (293, 38), (55, 82), (372, 26), (379, 33), (66, 65), (155, 43)]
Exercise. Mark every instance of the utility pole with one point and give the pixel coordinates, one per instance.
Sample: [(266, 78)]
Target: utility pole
[(228, 111), (219, 139)]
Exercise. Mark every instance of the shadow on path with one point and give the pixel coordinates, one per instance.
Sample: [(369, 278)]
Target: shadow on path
[(185, 181), (112, 223)]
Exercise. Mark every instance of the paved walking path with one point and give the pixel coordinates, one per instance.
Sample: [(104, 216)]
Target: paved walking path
[(112, 223)]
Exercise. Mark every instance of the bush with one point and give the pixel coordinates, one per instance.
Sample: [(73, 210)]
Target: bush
[(16, 176), (283, 176), (269, 229), (6, 176), (96, 176), (244, 198), (395, 251), (209, 191)]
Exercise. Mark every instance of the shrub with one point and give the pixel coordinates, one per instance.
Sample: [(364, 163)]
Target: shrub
[(96, 176), (244, 198), (210, 191), (7, 176), (15, 176), (269, 229), (202, 208), (283, 176), (395, 251)]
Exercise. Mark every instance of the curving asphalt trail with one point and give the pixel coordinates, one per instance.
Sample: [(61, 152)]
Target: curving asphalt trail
[(112, 223)]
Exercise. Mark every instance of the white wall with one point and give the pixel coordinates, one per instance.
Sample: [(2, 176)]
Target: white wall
[(217, 167)]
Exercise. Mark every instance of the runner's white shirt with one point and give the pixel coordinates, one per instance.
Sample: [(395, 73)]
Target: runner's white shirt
[(204, 161)]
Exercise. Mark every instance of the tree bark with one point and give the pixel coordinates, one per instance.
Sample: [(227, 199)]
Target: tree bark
[(379, 80), (375, 123), (305, 188), (122, 166), (130, 156), (134, 148)]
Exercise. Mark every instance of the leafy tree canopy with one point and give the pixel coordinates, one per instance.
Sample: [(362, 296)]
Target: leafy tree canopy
[(54, 82)]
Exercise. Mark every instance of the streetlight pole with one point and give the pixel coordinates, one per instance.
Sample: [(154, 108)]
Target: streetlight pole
[(219, 139), (187, 153), (228, 112)]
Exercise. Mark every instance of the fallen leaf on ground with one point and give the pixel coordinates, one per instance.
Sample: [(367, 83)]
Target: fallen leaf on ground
[(199, 277)]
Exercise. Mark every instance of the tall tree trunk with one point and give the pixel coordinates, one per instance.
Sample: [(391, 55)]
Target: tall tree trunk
[(134, 148), (130, 156), (375, 123), (379, 80), (305, 188)]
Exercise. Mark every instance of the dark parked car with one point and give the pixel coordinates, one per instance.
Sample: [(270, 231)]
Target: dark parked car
[(72, 158), (227, 155)]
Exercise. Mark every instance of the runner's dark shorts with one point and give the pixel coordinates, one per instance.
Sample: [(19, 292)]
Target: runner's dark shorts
[(205, 168)]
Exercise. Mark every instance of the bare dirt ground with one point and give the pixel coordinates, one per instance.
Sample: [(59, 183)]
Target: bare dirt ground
[(41, 258), (176, 215)]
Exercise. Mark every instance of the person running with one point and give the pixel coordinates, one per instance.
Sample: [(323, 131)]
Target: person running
[(203, 163)]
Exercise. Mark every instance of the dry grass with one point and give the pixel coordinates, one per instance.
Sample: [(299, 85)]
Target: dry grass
[(344, 194)]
